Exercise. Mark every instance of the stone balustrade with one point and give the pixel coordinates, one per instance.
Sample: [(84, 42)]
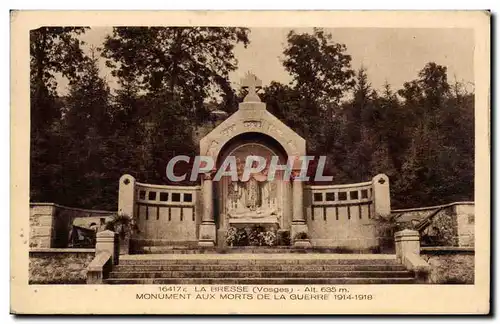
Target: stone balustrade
[(163, 214), (344, 216), (166, 195)]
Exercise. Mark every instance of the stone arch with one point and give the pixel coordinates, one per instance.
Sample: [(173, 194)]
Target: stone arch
[(273, 193), (249, 123), (251, 138)]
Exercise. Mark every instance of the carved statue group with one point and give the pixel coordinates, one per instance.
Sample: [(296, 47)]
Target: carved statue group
[(254, 198)]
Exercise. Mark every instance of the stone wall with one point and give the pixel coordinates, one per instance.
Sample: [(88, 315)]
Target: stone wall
[(343, 227), (41, 225), (166, 215), (345, 216), (449, 265), (465, 223), (50, 223), (59, 266)]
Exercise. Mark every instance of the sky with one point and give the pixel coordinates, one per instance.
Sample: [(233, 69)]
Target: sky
[(394, 55)]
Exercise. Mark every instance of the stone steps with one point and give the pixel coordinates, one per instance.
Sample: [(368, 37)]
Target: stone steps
[(260, 281), (259, 269), (249, 262), (238, 250), (275, 267), (260, 274)]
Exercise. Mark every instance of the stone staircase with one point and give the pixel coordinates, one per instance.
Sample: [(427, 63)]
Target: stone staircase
[(312, 268)]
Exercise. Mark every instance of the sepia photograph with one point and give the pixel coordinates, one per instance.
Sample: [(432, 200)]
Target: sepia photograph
[(233, 162)]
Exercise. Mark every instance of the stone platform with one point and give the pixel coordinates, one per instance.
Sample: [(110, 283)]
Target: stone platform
[(247, 250), (267, 222), (261, 256)]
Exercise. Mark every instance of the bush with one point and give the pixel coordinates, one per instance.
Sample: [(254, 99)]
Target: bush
[(255, 236), (284, 238), (121, 224), (386, 228), (267, 238), (236, 237)]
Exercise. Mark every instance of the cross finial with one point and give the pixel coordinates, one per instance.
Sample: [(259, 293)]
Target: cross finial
[(252, 83)]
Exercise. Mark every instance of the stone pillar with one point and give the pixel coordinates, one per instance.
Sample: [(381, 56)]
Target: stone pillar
[(126, 195), (298, 220), (207, 226), (42, 224), (106, 255), (381, 196), (107, 242), (408, 253), (298, 201), (407, 242), (126, 206)]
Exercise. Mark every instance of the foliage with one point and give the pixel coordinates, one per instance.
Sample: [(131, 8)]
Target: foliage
[(254, 238), (53, 50), (185, 64), (231, 236), (409, 134), (87, 140), (121, 224), (82, 143), (267, 238), (442, 230), (420, 134), (250, 236), (319, 67), (236, 237), (386, 228), (167, 76), (450, 268), (283, 238), (322, 75)]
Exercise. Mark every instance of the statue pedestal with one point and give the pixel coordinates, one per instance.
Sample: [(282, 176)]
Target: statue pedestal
[(268, 222), (207, 235)]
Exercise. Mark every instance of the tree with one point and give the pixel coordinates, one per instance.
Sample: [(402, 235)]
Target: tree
[(360, 138), (52, 50), (422, 135), (183, 65), (430, 165), (389, 122), (89, 175), (322, 75), (284, 102), (176, 72), (131, 137), (320, 68)]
